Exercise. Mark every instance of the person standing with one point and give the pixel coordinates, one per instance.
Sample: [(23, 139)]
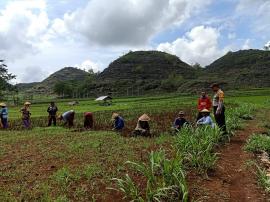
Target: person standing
[(4, 115), (204, 102), (52, 110), (26, 115), (219, 107)]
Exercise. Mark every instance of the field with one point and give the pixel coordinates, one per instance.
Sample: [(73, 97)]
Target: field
[(60, 164)]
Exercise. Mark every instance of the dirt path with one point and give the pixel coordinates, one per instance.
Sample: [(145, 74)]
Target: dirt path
[(231, 180)]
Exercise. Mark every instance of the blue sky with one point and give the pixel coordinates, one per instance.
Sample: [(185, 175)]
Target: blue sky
[(38, 37)]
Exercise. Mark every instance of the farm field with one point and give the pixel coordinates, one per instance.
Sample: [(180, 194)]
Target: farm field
[(59, 164)]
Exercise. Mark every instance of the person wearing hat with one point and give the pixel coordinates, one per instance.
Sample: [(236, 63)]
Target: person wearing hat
[(142, 128), (219, 108), (68, 118), (204, 102), (180, 121), (118, 122), (88, 120), (4, 115), (26, 114), (52, 110), (206, 119)]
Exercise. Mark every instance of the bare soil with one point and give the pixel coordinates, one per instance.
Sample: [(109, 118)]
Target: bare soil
[(231, 180)]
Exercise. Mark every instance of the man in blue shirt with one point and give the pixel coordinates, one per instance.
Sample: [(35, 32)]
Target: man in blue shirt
[(206, 119), (4, 115), (118, 122), (180, 121)]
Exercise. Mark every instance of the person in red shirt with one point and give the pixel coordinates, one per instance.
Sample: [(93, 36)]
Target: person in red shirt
[(88, 120), (204, 102)]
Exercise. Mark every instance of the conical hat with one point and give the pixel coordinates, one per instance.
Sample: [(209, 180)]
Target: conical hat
[(205, 110), (144, 117), (114, 115), (27, 103), (181, 113), (3, 104)]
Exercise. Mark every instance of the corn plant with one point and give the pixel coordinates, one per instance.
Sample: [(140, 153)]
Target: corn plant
[(196, 146), (165, 180)]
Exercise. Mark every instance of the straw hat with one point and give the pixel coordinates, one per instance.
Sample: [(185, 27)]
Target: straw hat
[(114, 115), (144, 117), (205, 111), (27, 103), (3, 104), (181, 113)]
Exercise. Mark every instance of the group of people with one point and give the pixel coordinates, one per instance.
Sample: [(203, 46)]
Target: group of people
[(142, 129), (204, 109)]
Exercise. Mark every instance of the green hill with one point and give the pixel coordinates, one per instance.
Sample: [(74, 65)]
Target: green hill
[(145, 71), (66, 74), (242, 69)]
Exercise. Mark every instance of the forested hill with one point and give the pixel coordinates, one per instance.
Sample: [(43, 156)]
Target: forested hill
[(153, 71)]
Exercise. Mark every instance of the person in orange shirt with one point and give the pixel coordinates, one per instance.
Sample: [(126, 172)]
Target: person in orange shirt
[(219, 107), (204, 102)]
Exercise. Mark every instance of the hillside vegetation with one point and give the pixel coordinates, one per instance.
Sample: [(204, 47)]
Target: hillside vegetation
[(146, 72)]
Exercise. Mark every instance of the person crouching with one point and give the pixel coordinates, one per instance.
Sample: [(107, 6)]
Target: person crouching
[(118, 122), (68, 118), (88, 120), (206, 119), (180, 122), (143, 128)]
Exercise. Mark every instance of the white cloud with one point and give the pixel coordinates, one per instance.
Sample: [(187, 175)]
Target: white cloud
[(267, 46), (129, 22), (246, 45), (258, 10), (88, 64), (200, 45), (22, 25), (33, 74)]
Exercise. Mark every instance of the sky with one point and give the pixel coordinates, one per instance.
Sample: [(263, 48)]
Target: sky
[(39, 37)]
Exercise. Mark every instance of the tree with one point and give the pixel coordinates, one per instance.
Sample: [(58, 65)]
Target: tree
[(5, 76)]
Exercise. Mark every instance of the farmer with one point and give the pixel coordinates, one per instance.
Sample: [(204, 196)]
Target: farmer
[(142, 128), (88, 120), (52, 110), (206, 119), (204, 102), (118, 122), (26, 115), (4, 115), (68, 118), (219, 108), (180, 121)]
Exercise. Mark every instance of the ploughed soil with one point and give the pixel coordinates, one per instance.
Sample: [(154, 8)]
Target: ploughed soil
[(231, 179)]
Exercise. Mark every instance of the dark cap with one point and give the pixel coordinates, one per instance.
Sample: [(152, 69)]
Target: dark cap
[(215, 85)]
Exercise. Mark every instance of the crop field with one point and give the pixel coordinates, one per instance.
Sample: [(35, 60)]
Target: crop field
[(60, 164)]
